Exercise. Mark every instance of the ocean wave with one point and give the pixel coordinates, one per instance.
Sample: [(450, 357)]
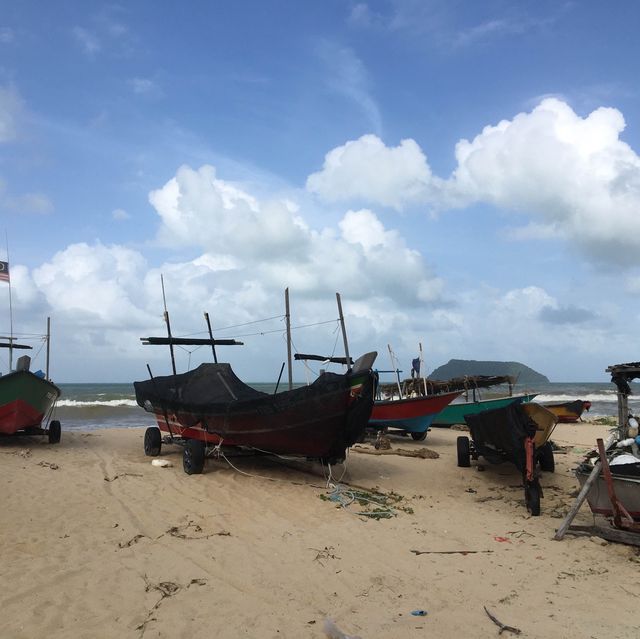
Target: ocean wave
[(590, 397), (110, 403)]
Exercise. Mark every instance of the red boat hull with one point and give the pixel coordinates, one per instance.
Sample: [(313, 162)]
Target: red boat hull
[(25, 400), (319, 421), (413, 414), (18, 415)]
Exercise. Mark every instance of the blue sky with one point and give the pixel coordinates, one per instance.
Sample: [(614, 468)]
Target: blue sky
[(465, 174)]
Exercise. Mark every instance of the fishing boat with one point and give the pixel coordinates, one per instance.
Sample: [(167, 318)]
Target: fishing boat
[(455, 412), (210, 407), (406, 407), (626, 486), (27, 399), (469, 400), (409, 415), (568, 412)]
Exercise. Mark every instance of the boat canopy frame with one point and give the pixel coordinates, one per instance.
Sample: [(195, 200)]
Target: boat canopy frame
[(417, 386)]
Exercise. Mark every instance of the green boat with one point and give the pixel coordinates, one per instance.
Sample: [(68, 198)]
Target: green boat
[(27, 399), (454, 413)]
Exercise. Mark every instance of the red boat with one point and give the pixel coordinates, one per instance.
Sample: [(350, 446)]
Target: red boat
[(412, 415)]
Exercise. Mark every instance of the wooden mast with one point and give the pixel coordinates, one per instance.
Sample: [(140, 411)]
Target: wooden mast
[(288, 324), (344, 332), (166, 319), (396, 370), (48, 342), (213, 346), (424, 377)]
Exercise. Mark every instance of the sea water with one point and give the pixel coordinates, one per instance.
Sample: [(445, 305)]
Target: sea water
[(94, 406)]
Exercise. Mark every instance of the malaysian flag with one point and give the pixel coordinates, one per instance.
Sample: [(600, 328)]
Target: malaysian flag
[(4, 272)]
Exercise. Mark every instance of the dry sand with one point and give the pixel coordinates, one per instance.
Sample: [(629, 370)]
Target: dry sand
[(96, 542)]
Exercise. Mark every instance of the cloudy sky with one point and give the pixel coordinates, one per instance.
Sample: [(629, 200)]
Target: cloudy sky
[(465, 174)]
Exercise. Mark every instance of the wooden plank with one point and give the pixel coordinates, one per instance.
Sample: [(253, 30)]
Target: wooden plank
[(322, 358), (610, 534), (187, 341)]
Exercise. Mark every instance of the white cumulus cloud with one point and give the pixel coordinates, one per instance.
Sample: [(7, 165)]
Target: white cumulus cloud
[(368, 170), (94, 284), (242, 234), (571, 176)]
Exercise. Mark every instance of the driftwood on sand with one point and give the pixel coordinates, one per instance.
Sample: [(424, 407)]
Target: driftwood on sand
[(423, 453), (502, 626)]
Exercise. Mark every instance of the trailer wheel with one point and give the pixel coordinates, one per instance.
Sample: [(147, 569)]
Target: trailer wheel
[(152, 442), (532, 497), (193, 457), (419, 437), (464, 452), (545, 457), (55, 432)]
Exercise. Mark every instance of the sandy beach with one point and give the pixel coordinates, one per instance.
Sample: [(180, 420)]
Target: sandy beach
[(97, 542)]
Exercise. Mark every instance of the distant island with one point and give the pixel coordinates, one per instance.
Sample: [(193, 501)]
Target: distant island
[(461, 367)]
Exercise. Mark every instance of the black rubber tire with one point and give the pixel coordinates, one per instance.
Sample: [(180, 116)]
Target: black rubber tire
[(193, 457), (464, 452), (545, 457), (419, 437), (152, 442), (55, 432), (532, 493)]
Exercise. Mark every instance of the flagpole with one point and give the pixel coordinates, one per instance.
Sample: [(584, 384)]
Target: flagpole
[(6, 235)]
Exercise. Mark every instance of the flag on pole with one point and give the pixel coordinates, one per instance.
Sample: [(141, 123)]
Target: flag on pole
[(4, 272)]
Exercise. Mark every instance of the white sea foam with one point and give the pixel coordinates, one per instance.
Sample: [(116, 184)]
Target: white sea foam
[(590, 397), (73, 403)]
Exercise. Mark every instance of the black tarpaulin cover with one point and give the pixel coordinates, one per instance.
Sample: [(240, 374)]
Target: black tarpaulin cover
[(500, 433), (212, 387), (206, 385)]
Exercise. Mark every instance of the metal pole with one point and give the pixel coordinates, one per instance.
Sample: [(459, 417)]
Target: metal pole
[(287, 315), (344, 332), (10, 307)]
